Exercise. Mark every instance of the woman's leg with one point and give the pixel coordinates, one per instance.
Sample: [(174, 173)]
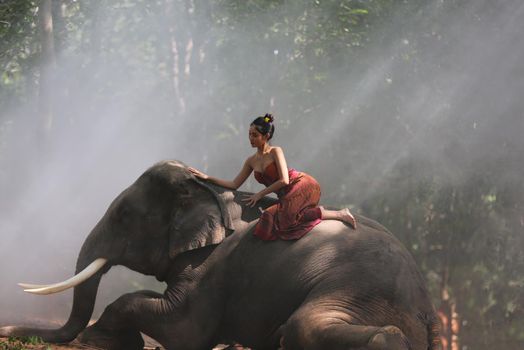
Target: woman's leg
[(342, 215)]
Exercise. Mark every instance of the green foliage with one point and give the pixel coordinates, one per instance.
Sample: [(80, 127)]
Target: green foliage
[(466, 238), (18, 41), (24, 343)]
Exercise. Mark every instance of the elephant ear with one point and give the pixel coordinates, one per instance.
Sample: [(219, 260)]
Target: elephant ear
[(205, 216), (231, 212)]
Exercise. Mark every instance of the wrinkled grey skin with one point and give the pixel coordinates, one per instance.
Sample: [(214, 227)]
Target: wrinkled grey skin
[(336, 288)]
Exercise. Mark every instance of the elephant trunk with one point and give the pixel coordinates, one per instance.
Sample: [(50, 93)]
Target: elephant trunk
[(83, 303), (84, 295)]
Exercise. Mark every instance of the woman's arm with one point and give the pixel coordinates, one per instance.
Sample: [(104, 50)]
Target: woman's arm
[(233, 185)]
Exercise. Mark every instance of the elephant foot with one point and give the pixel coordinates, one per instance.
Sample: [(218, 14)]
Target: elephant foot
[(124, 339), (389, 338)]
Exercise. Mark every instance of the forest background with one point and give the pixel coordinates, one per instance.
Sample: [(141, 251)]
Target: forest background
[(410, 112)]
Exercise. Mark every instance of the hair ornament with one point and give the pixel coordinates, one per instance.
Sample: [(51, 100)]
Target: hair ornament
[(268, 118)]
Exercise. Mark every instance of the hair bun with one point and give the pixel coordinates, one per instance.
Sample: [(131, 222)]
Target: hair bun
[(268, 118)]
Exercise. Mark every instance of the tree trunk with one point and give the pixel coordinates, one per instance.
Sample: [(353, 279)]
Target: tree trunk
[(176, 54), (449, 317), (47, 65)]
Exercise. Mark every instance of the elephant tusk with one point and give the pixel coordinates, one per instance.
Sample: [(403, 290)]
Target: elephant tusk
[(32, 286), (70, 283)]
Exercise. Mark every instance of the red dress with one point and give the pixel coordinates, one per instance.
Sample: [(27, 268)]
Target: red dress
[(297, 211)]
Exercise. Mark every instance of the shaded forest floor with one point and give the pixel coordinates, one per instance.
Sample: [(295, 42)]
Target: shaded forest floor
[(29, 344), (36, 344), (17, 344), (25, 344)]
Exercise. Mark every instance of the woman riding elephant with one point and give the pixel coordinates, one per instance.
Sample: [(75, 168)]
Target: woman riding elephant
[(328, 290), (297, 211)]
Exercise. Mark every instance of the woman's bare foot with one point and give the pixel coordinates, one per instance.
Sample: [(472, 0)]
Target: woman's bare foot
[(343, 215)]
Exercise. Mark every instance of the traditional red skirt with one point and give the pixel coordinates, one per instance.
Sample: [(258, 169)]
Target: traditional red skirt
[(297, 211)]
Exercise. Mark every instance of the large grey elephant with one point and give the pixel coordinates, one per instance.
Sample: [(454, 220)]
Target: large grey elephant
[(336, 288)]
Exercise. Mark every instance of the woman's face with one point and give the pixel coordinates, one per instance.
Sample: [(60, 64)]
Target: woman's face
[(256, 138)]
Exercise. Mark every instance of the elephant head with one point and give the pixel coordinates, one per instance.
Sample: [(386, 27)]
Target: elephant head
[(166, 212)]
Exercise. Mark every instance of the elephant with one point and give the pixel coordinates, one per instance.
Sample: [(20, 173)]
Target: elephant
[(335, 288)]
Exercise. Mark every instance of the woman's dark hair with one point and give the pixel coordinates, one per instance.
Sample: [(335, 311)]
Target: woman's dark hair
[(264, 125)]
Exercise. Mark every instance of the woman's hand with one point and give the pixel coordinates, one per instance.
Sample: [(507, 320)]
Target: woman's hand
[(198, 173), (251, 200)]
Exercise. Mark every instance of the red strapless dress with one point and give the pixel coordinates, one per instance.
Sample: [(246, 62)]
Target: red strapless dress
[(297, 211)]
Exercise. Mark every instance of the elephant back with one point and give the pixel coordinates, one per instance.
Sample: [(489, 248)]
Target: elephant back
[(365, 269)]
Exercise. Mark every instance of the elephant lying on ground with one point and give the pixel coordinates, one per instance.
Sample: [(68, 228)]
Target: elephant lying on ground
[(336, 288)]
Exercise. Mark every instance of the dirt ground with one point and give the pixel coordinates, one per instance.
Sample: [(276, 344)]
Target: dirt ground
[(7, 344), (150, 344), (74, 345), (71, 346)]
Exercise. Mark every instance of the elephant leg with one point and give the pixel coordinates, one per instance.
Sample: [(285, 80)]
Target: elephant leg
[(319, 328), (151, 313), (121, 339), (122, 321)]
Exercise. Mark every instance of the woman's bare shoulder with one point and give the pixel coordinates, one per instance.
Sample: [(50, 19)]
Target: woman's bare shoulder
[(251, 160), (276, 150)]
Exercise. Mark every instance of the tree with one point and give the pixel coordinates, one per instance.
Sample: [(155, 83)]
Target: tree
[(47, 63)]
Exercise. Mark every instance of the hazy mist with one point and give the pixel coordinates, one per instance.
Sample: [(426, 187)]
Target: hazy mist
[(459, 102)]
